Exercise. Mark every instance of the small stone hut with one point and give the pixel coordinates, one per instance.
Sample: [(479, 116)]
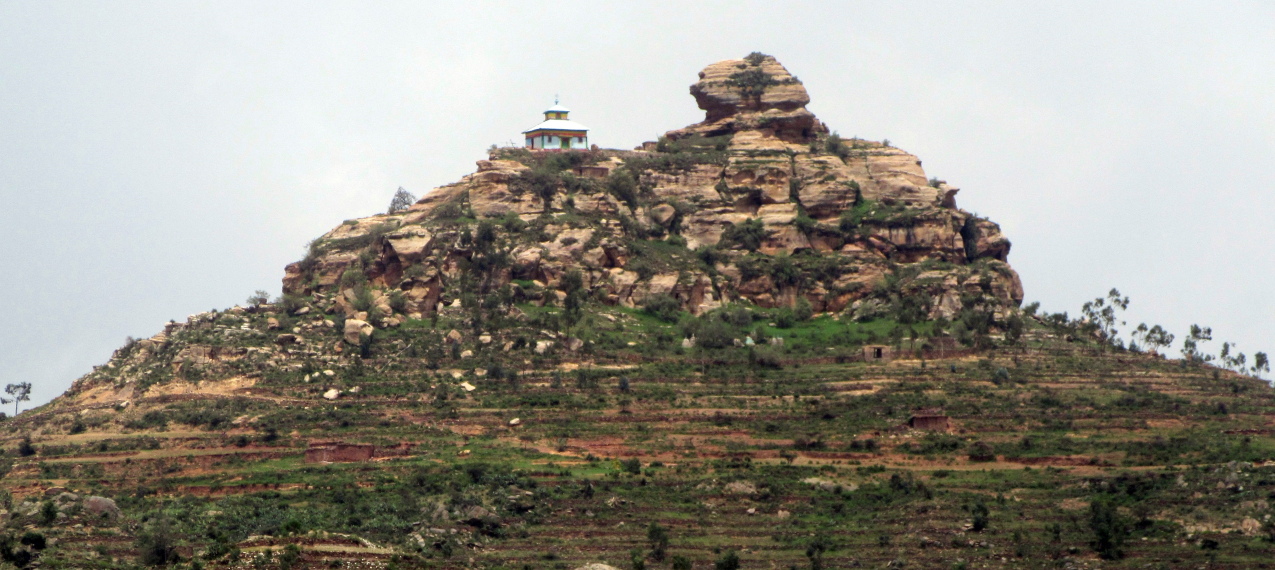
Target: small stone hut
[(878, 353), (929, 420)]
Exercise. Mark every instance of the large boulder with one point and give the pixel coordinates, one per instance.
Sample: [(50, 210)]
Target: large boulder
[(355, 329), (754, 93), (101, 507)]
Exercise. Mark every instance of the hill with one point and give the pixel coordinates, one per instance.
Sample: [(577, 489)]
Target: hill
[(751, 343)]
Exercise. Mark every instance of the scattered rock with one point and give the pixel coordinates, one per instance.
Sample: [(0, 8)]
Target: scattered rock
[(286, 339), (515, 422), (355, 329), (331, 394), (468, 387), (272, 323), (102, 507)]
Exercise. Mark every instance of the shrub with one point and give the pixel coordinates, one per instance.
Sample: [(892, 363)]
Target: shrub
[(632, 466), (981, 451), (657, 537), (747, 234), (352, 277), (834, 145), (803, 311), (621, 184), (980, 512), (714, 333), (728, 561), (663, 307), (292, 303), (637, 560), (752, 82), (784, 318), (755, 58), (157, 544), (48, 513), (681, 563), (289, 558), (34, 539), (643, 267), (1000, 376), (1109, 528), (258, 297), (709, 255)]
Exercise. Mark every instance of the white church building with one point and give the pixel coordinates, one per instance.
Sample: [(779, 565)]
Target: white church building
[(557, 132)]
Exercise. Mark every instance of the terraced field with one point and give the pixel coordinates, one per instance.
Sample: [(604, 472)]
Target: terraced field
[(795, 455)]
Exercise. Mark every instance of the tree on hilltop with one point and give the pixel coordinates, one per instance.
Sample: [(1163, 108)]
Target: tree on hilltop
[(1260, 364), (20, 392), (402, 200), (1191, 345), (1101, 314), (1153, 338)]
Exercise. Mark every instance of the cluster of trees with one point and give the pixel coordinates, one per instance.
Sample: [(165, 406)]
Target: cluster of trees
[(1101, 318)]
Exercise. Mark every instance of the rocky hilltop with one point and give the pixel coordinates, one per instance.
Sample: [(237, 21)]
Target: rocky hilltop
[(748, 344), (757, 203)]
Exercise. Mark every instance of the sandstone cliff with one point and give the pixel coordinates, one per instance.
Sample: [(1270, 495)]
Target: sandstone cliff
[(757, 203)]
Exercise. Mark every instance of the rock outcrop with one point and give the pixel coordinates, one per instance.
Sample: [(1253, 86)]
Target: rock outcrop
[(752, 94), (756, 203)]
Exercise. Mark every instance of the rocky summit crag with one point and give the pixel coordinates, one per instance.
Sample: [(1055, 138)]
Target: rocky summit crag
[(749, 344), (758, 203)]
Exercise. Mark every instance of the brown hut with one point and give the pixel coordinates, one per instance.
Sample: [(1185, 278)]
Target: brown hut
[(929, 420)]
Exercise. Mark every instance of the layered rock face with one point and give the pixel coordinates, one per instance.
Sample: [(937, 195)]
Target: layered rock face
[(754, 93), (758, 203)]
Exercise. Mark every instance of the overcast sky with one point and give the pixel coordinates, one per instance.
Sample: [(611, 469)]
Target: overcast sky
[(159, 159)]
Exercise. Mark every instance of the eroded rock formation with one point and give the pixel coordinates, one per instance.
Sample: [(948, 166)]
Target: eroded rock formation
[(757, 203)]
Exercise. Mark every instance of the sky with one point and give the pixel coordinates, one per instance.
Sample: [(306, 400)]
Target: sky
[(160, 159)]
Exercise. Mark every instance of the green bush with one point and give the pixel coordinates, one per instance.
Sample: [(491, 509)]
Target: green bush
[(834, 145), (980, 514), (34, 539), (663, 307), (621, 184), (1109, 528), (157, 544), (657, 537), (981, 451), (747, 234), (632, 466), (714, 333), (728, 561)]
